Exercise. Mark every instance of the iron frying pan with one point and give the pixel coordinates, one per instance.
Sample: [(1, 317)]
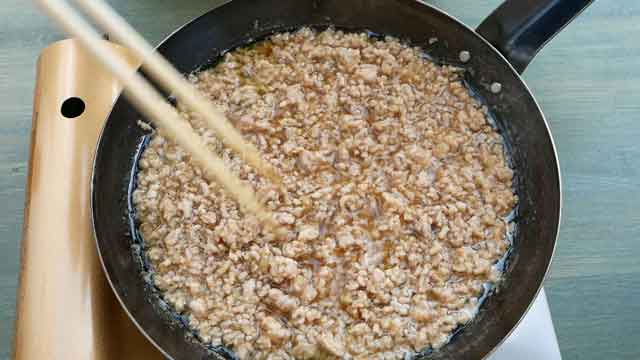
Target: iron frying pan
[(493, 55)]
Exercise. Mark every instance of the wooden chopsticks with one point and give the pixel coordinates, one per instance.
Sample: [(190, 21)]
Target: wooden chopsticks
[(153, 105), (171, 80)]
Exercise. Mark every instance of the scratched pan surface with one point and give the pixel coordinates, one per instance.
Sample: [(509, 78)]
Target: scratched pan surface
[(200, 43)]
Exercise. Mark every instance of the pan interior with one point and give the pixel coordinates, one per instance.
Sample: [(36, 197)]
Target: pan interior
[(138, 240), (201, 43)]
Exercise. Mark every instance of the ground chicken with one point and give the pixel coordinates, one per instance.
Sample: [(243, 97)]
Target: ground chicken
[(394, 197)]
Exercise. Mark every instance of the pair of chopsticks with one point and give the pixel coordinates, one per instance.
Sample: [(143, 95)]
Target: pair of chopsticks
[(147, 99)]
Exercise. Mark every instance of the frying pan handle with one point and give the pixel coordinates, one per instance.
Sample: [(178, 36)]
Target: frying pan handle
[(520, 28)]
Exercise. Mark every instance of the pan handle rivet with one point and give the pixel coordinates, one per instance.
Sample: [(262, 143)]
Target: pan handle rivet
[(496, 87), (465, 56)]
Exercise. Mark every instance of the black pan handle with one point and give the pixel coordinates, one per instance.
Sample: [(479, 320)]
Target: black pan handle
[(520, 28)]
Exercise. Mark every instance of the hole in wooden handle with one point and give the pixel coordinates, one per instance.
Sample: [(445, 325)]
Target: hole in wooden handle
[(72, 107)]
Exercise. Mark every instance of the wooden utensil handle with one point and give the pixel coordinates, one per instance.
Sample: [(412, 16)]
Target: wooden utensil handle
[(66, 309)]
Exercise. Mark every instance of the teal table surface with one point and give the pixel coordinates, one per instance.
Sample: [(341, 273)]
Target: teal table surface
[(587, 80)]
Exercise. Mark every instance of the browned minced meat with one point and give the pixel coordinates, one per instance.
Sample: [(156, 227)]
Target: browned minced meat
[(395, 195)]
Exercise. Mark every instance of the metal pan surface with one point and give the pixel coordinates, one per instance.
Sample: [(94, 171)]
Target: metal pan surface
[(494, 54)]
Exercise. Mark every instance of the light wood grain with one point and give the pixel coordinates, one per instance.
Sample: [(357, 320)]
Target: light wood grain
[(587, 80), (66, 309)]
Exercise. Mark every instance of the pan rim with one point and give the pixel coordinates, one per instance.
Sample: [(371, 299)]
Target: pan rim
[(433, 8)]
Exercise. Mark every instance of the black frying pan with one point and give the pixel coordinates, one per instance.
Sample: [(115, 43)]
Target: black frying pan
[(493, 55)]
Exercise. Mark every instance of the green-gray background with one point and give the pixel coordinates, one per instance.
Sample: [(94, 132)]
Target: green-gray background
[(587, 82)]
